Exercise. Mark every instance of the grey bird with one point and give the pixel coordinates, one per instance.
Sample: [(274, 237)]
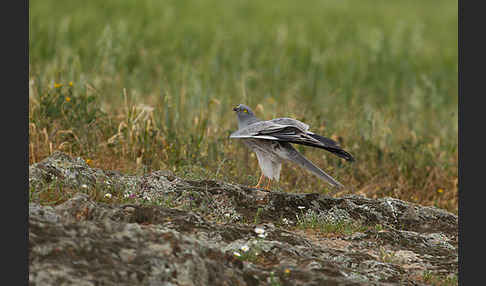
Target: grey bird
[(271, 141)]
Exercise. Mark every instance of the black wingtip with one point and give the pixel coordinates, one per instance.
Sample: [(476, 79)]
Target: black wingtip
[(341, 153), (333, 147), (350, 159), (326, 141)]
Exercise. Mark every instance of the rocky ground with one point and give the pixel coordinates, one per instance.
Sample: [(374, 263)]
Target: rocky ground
[(160, 229)]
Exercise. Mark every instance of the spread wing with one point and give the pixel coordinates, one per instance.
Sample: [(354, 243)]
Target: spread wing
[(291, 121), (292, 131)]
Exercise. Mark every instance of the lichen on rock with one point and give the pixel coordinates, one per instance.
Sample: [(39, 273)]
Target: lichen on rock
[(189, 231)]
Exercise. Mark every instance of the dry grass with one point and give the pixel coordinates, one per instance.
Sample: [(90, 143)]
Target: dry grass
[(136, 145)]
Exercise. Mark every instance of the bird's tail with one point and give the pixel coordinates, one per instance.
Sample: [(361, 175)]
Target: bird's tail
[(298, 158)]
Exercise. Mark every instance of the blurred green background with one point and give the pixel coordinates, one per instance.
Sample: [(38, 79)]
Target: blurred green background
[(381, 77)]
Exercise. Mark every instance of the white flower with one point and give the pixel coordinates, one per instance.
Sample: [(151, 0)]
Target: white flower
[(237, 254), (245, 248), (84, 186), (262, 235), (259, 230), (108, 195), (147, 198), (126, 195), (227, 215), (301, 207)]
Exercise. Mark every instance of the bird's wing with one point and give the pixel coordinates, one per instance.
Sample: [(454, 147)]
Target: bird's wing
[(281, 129), (291, 121), (259, 130), (292, 131)]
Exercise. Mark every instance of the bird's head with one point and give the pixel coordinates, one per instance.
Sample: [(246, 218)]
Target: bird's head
[(245, 115), (243, 109)]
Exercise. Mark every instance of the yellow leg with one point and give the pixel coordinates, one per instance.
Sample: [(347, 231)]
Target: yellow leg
[(259, 182), (268, 185)]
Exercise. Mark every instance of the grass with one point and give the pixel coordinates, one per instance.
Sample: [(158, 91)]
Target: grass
[(343, 228), (439, 280), (154, 83), (326, 225), (56, 192)]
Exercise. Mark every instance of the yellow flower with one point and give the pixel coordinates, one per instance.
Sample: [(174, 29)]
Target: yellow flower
[(68, 99), (440, 191), (287, 271), (70, 83), (88, 161), (57, 85)]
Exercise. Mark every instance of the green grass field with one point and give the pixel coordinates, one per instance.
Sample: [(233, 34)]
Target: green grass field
[(153, 84)]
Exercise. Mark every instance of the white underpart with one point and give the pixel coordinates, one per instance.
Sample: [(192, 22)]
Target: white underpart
[(270, 169)]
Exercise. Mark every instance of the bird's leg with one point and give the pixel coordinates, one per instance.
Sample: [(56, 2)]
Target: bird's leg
[(268, 185), (259, 182)]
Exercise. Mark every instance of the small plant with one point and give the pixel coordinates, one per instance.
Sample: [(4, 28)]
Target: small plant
[(65, 118), (386, 256), (71, 109), (257, 216), (324, 224), (274, 281), (439, 280), (379, 227), (52, 193), (249, 252)]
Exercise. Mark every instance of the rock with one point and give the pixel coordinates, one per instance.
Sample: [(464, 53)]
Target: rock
[(183, 232)]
